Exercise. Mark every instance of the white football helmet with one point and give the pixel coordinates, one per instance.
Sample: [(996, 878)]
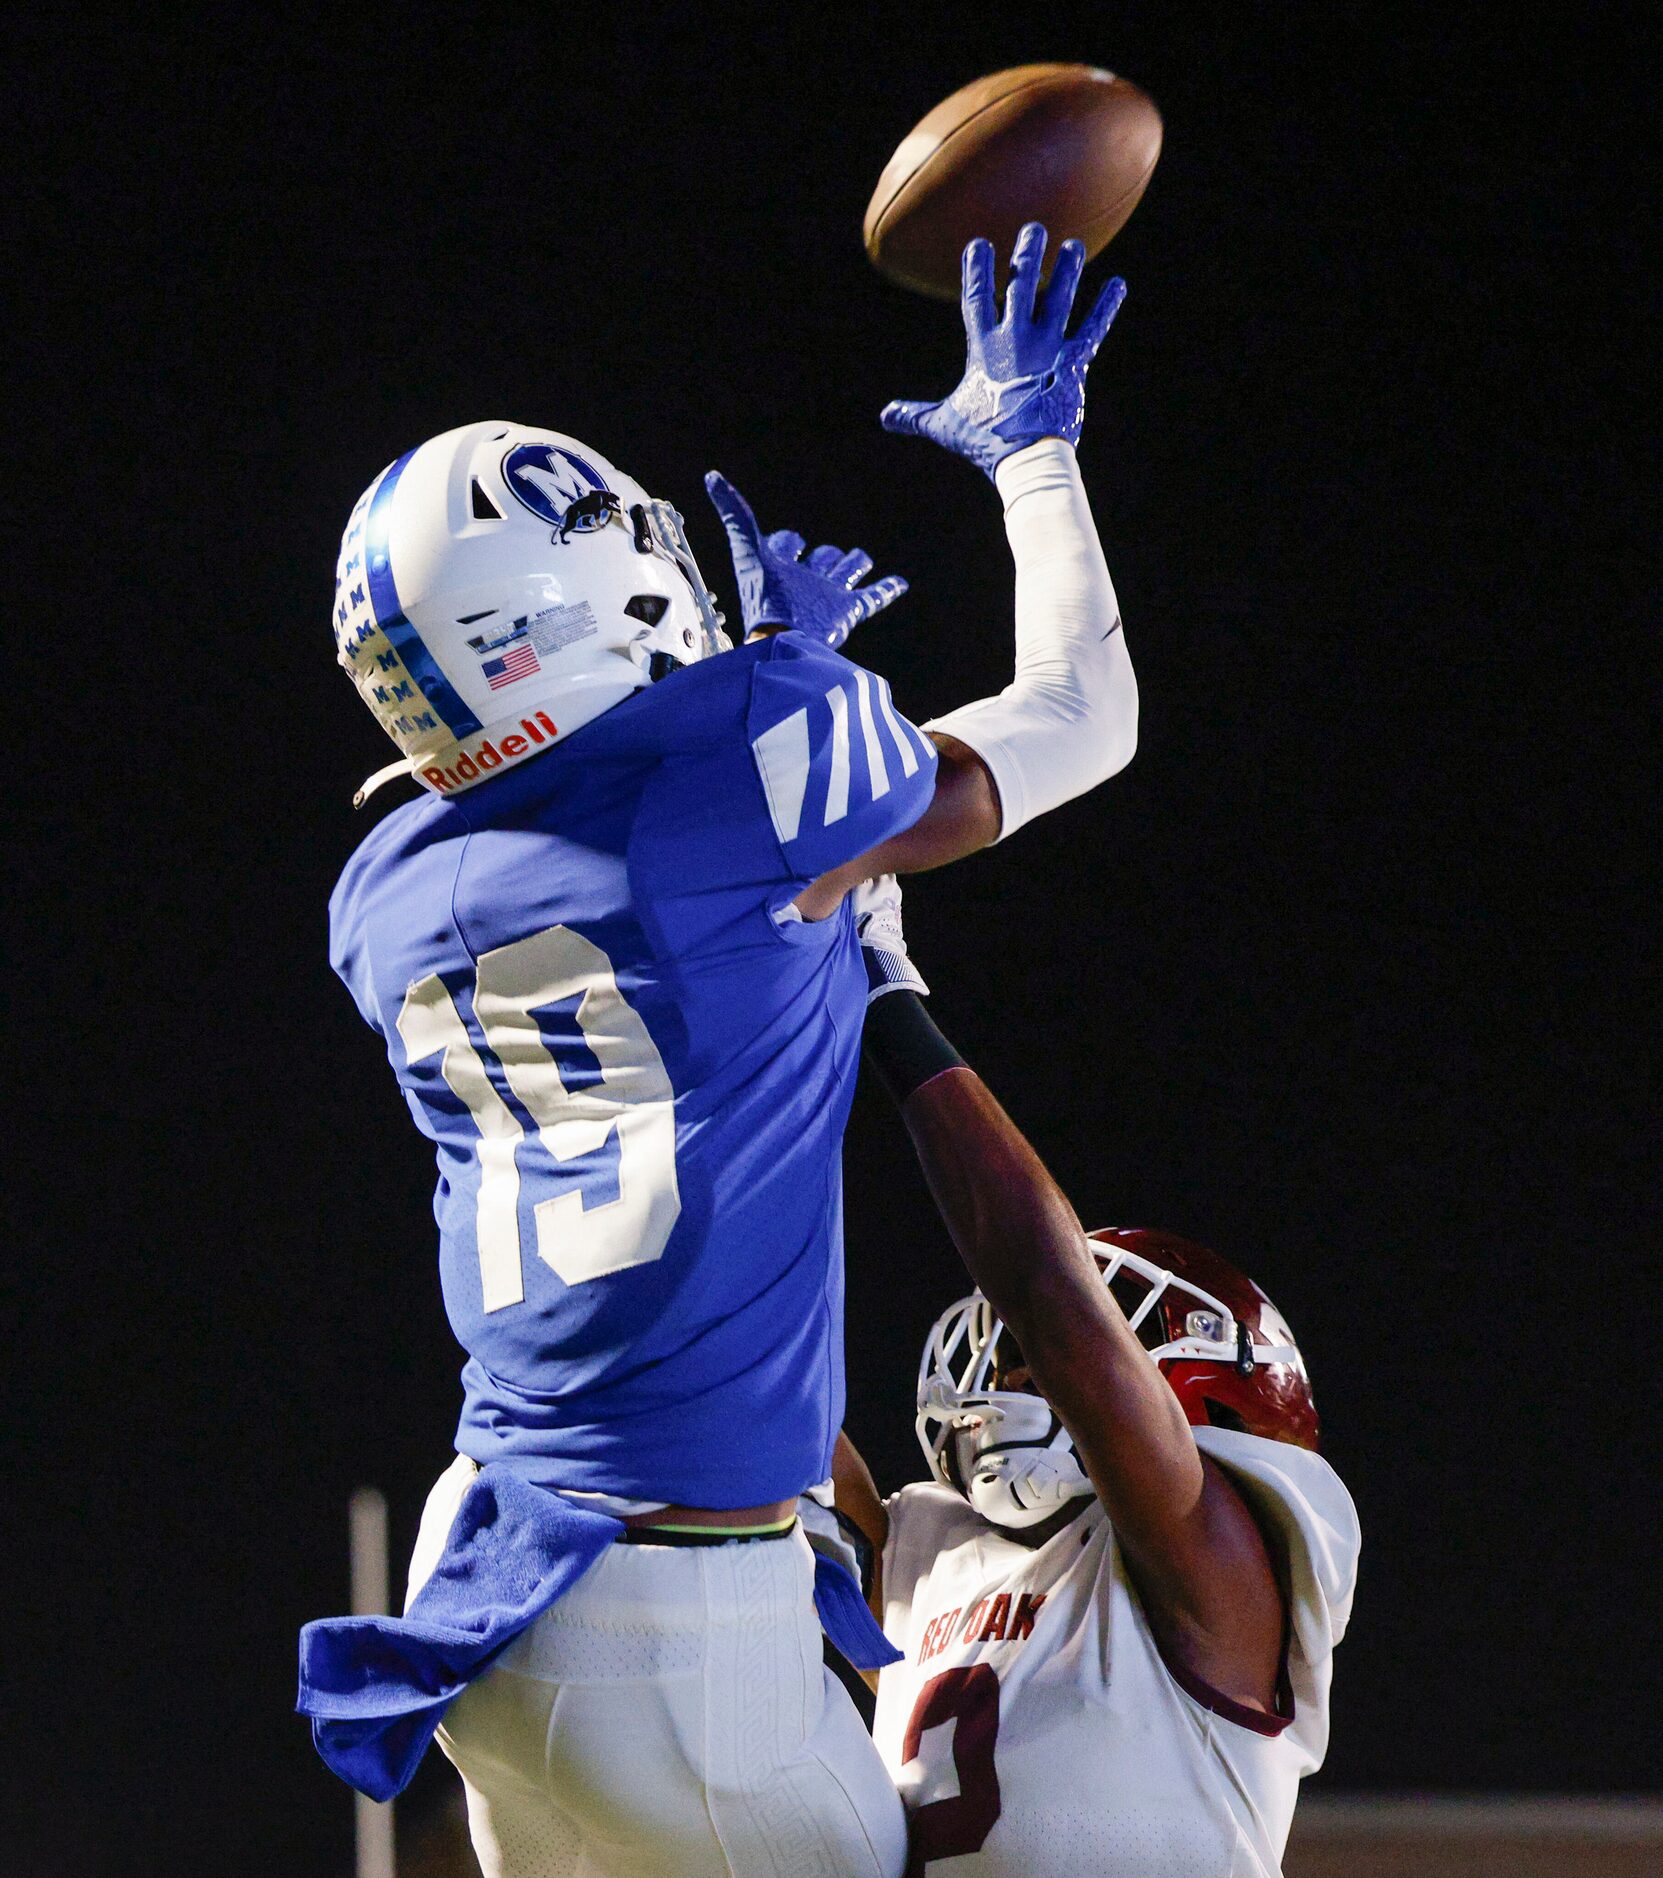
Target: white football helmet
[(1007, 1452), (498, 588)]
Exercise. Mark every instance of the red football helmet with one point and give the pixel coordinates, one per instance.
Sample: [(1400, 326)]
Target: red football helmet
[(1262, 1389), (1223, 1347)]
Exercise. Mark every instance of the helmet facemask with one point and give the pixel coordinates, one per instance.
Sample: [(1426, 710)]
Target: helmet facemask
[(655, 527), (1004, 1449)]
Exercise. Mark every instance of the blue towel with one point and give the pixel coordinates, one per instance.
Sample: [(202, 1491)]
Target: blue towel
[(376, 1688), (845, 1618)]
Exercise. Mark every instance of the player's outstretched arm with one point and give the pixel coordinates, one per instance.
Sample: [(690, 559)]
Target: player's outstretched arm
[(780, 587), (1193, 1549), (1068, 719)]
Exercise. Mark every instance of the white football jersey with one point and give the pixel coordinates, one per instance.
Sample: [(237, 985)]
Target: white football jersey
[(1033, 1727)]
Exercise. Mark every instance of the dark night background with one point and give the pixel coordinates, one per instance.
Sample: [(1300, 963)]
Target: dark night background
[(1342, 976)]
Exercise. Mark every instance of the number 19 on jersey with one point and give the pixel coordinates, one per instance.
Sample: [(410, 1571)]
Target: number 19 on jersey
[(629, 1107)]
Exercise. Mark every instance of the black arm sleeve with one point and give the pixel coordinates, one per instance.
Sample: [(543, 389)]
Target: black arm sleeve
[(903, 1045)]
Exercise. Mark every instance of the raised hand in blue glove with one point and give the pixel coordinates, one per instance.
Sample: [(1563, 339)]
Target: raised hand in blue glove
[(778, 587), (1023, 379)]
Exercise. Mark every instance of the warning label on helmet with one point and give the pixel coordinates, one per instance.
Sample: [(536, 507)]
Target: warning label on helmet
[(561, 626)]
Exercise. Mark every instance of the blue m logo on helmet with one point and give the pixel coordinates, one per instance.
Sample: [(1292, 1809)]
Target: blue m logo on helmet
[(548, 479)]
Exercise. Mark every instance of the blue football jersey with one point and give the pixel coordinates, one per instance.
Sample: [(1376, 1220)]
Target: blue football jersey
[(635, 1075)]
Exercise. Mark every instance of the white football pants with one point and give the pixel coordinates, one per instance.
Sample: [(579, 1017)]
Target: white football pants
[(670, 1717)]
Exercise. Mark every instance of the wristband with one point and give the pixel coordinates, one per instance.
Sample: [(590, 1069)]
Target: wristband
[(904, 1046)]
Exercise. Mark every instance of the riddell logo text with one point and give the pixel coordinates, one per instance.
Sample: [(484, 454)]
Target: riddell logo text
[(487, 756)]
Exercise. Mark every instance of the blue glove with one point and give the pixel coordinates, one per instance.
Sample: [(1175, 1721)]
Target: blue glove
[(777, 587), (1022, 380)]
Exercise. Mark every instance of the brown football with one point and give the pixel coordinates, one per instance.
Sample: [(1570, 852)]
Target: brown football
[(1066, 145)]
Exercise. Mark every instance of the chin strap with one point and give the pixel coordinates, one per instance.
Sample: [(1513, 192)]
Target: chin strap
[(405, 766)]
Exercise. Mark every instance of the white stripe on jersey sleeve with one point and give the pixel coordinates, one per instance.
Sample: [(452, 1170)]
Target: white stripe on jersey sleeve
[(837, 792), (875, 765), (782, 762), (903, 743)]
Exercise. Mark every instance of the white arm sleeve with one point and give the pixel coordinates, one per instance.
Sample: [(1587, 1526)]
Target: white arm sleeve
[(1069, 718)]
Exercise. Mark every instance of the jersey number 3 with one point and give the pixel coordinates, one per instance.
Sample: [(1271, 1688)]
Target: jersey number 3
[(950, 1828), (574, 1117)]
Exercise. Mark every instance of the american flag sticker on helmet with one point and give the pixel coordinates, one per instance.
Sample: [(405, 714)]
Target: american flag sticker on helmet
[(507, 656), (516, 661)]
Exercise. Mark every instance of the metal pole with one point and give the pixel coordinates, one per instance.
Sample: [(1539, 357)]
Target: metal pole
[(368, 1521)]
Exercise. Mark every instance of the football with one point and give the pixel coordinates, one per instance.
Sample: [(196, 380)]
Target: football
[(1066, 145)]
